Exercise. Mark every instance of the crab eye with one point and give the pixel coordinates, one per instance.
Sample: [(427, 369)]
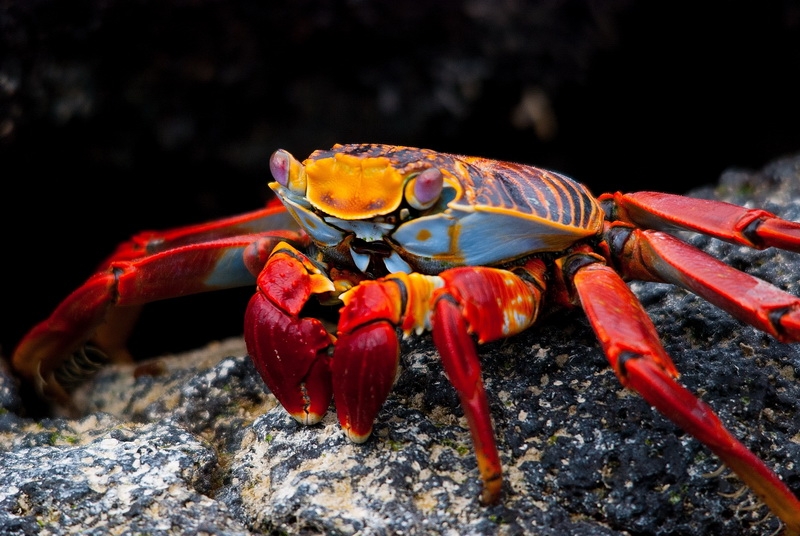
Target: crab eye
[(288, 171), (423, 190), (279, 166)]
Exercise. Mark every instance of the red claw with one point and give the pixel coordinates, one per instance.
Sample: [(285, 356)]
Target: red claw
[(290, 352), (364, 368), (367, 354)]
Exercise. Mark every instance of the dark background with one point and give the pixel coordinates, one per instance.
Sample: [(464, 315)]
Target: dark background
[(117, 116)]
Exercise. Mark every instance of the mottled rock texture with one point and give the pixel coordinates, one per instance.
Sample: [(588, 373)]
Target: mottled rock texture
[(203, 447)]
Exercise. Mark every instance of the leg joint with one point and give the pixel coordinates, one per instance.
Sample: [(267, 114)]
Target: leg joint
[(750, 232), (573, 263), (622, 361)]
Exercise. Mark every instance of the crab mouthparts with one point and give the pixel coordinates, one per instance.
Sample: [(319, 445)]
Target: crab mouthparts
[(376, 257)]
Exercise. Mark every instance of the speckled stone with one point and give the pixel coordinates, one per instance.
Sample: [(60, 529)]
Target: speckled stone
[(202, 447)]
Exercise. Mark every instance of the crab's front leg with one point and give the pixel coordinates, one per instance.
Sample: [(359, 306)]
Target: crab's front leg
[(460, 305), (152, 266)]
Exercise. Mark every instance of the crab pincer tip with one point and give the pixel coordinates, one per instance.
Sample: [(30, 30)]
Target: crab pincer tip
[(306, 417), (356, 437)]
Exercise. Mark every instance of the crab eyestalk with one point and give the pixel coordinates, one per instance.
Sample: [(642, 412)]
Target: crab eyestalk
[(288, 171), (423, 190)]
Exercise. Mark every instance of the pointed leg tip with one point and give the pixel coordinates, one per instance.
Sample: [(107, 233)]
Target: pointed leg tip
[(491, 490)]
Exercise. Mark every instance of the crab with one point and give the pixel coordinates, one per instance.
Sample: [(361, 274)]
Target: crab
[(366, 244)]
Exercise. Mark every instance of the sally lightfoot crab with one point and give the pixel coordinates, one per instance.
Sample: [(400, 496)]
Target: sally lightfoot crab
[(370, 243)]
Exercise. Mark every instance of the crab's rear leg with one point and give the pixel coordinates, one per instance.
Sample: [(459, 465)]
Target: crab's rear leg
[(656, 256), (633, 348), (175, 263), (458, 304), (754, 228)]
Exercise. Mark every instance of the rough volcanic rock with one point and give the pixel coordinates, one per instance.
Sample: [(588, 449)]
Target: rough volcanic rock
[(202, 446)]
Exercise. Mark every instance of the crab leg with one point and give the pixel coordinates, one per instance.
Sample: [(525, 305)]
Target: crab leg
[(273, 217), (632, 346), (489, 304), (485, 302), (658, 256), (754, 228), (105, 307)]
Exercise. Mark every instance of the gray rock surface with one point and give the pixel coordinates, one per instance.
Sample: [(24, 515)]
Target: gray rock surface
[(203, 448)]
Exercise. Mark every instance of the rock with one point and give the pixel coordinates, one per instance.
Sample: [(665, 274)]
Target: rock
[(194, 443), (98, 474)]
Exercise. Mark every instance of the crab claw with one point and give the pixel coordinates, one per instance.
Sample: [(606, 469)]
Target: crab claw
[(364, 368), (290, 352), (367, 354)]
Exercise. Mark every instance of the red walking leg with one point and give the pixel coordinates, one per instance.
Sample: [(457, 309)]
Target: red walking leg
[(748, 227), (489, 304), (458, 304), (657, 256), (150, 267), (632, 346)]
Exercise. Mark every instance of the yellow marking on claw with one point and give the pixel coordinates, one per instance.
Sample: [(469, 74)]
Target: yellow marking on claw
[(518, 311), (353, 188), (319, 283), (419, 290)]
